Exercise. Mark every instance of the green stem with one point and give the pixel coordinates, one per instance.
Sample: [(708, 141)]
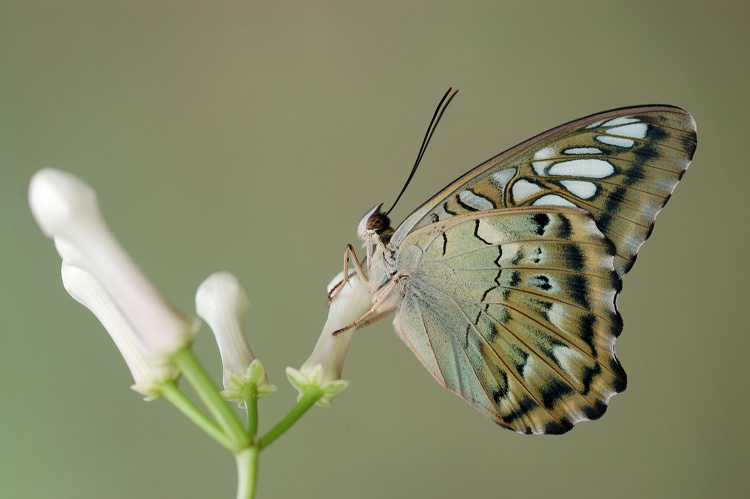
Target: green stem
[(250, 396), (213, 401), (170, 392), (311, 395), (247, 472)]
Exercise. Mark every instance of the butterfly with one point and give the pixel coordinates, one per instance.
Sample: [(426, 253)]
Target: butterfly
[(504, 284)]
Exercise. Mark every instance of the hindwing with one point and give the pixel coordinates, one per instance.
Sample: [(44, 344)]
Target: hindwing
[(514, 310)]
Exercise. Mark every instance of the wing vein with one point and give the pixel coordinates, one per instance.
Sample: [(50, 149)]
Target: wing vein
[(530, 240), (552, 330), (559, 371), (538, 269), (497, 355)]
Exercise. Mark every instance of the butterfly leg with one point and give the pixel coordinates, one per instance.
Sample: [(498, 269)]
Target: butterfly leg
[(373, 320), (348, 254), (384, 293)]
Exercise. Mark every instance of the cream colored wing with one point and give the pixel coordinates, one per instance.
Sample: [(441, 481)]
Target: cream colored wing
[(514, 310), (621, 166)]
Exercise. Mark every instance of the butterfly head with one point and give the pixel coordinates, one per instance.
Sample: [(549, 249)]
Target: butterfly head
[(374, 223)]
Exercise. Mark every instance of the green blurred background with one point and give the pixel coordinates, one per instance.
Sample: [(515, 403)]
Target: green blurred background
[(252, 136)]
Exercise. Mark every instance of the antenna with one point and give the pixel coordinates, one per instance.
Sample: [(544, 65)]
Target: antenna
[(427, 136)]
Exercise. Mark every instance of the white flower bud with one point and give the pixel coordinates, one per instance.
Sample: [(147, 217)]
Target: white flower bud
[(67, 211), (89, 292), (222, 302), (324, 367)]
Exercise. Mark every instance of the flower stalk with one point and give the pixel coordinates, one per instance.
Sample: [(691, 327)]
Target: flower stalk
[(209, 395), (170, 392), (308, 397)]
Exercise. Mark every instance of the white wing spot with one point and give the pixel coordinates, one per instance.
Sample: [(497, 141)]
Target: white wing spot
[(501, 178), (539, 166), (580, 188), (621, 121), (540, 162), (569, 359), (557, 316), (595, 124), (615, 141), (553, 200), (636, 130), (442, 214), (523, 189), (489, 232), (592, 168), (529, 370), (592, 228), (582, 150), (475, 201), (545, 153)]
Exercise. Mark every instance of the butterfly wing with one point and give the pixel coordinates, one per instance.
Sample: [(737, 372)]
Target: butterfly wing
[(514, 310), (621, 166)]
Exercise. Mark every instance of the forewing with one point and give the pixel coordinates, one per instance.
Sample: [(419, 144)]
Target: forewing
[(514, 310), (621, 166)]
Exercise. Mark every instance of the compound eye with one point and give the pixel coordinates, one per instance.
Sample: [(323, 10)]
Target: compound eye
[(378, 222)]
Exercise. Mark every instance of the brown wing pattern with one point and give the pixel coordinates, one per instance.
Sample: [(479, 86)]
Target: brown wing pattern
[(621, 166), (514, 310)]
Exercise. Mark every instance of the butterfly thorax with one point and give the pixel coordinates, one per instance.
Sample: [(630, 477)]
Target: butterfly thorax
[(375, 232)]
